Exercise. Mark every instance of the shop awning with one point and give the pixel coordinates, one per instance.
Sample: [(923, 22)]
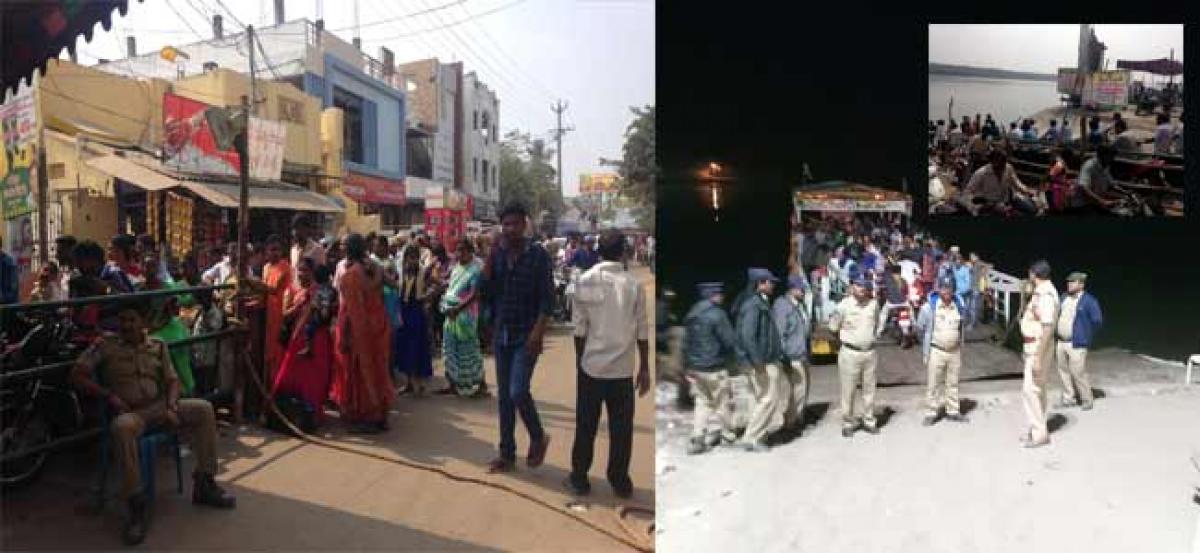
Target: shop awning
[(291, 198), (138, 175), (34, 31)]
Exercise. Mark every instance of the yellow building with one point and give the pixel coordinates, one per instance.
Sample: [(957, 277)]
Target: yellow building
[(103, 129)]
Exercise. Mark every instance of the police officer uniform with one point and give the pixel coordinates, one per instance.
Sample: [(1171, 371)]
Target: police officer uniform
[(857, 326)]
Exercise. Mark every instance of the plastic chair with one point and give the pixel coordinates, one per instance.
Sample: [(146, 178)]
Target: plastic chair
[(1191, 362), (148, 445)]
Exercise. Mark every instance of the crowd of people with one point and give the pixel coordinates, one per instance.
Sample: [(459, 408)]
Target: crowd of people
[(874, 270), (348, 325), (972, 158)]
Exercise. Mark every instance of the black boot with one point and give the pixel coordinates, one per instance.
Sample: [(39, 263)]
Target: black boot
[(205, 491), (135, 527)]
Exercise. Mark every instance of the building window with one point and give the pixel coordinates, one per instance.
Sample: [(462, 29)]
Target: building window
[(291, 111), (475, 120), (352, 128), (486, 127), (475, 169), (485, 175), (495, 176)]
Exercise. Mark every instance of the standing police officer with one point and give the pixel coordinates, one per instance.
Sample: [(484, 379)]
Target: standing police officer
[(856, 322), (706, 350)]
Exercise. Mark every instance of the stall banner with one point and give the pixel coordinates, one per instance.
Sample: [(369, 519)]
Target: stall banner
[(374, 190), (854, 205), (1110, 88), (189, 145), (18, 165)]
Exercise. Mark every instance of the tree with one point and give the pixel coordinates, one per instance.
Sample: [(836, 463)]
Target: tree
[(638, 167), (528, 175)]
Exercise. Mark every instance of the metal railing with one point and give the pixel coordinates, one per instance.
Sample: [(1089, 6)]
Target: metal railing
[(7, 377)]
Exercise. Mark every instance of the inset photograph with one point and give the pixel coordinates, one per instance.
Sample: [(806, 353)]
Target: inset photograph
[(1045, 120)]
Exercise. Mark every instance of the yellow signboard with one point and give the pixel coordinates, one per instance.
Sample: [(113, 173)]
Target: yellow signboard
[(598, 183)]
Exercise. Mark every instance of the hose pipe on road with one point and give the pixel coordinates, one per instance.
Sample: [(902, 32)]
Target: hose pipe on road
[(638, 541)]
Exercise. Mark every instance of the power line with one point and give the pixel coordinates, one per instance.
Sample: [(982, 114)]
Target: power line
[(448, 25), (499, 50), (184, 20), (403, 16)]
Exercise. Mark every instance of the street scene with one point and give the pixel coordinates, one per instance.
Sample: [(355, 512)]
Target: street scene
[(1092, 124), (327, 275)]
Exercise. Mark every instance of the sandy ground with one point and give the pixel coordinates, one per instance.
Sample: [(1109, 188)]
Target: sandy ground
[(298, 496), (1115, 479)]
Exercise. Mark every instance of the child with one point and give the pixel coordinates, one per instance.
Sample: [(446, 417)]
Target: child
[(323, 307), (47, 287)]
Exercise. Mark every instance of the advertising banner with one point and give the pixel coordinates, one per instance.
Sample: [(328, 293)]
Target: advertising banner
[(1110, 88), (598, 183), (1066, 80), (189, 145), (18, 165), (374, 190)]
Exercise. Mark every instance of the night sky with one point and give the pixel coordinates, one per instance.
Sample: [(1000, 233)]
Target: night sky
[(762, 93)]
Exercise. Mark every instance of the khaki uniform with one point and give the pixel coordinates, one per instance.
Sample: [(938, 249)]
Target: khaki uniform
[(857, 327), (945, 361), (796, 393), (139, 374), (772, 394), (712, 393), (1042, 310), (1070, 359)]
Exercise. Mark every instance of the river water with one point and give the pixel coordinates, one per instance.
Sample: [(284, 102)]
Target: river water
[(1006, 99)]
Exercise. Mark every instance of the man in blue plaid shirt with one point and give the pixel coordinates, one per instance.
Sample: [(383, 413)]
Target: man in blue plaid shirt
[(518, 284)]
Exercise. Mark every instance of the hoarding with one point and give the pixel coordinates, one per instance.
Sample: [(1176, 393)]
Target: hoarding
[(1066, 80), (599, 183), (18, 165), (1109, 88), (189, 145), (374, 190)]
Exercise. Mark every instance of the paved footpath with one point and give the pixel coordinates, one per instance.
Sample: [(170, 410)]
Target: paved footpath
[(1115, 479), (298, 496)]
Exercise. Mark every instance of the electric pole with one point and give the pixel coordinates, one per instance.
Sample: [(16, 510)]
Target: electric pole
[(558, 108)]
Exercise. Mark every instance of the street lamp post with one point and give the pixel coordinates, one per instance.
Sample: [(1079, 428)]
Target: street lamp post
[(714, 172)]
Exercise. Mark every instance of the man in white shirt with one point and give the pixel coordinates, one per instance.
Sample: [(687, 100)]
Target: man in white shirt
[(305, 245), (996, 185), (1037, 328), (1163, 134), (218, 273), (610, 328)]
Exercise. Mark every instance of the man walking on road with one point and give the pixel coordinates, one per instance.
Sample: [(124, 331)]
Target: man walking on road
[(610, 325), (942, 324), (791, 318), (707, 347), (856, 322), (1037, 328), (760, 348), (517, 280), (1078, 321)]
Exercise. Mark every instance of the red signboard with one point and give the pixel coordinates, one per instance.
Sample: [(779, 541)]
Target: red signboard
[(373, 190), (188, 144)]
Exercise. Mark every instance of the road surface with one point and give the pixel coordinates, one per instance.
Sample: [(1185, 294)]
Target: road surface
[(1115, 479), (298, 496)]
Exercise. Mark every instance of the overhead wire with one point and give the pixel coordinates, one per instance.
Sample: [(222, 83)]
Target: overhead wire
[(404, 16), (495, 47), (452, 24)]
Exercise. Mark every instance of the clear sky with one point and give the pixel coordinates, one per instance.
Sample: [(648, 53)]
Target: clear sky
[(1045, 48), (597, 55)]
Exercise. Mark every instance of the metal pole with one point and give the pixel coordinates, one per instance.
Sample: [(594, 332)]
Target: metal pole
[(241, 142), (43, 185)]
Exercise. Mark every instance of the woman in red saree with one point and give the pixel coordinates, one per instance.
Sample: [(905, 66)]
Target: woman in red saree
[(277, 275), (362, 386), (307, 367)]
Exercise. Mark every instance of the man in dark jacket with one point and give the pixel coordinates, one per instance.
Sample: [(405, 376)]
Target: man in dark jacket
[(706, 350), (760, 352), (1079, 319)]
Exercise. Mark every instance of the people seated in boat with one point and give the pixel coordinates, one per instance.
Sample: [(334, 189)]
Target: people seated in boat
[(977, 150), (990, 130), (1111, 128), (1028, 131), (995, 187), (966, 126), (1014, 134), (1095, 137), (1163, 135), (1058, 185), (956, 137), (1051, 135), (1064, 134), (1124, 141), (940, 137), (1094, 189)]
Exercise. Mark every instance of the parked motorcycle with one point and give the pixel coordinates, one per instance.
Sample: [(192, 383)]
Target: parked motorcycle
[(38, 409)]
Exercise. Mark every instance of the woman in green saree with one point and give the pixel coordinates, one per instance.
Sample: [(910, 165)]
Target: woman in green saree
[(460, 333)]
